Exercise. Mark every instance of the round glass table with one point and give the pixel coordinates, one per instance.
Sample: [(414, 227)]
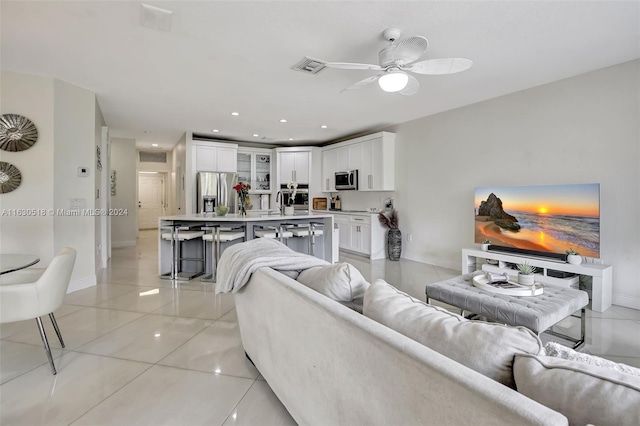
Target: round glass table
[(14, 262)]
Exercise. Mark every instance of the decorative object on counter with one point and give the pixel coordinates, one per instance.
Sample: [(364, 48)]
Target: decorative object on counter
[(485, 245), (573, 257), (394, 237), (293, 187), (319, 203), (221, 210), (98, 158), (243, 196), (17, 133), (10, 177), (525, 273)]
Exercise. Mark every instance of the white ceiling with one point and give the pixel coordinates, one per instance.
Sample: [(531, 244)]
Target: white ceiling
[(224, 56)]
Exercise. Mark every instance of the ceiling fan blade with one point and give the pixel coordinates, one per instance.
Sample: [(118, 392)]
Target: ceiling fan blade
[(440, 66), (363, 83), (410, 49), (412, 86), (352, 66)]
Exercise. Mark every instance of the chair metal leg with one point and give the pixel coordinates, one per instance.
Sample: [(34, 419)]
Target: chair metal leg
[(43, 335), (55, 327)]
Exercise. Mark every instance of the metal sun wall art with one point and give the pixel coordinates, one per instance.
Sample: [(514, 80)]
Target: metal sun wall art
[(17, 133), (10, 177)]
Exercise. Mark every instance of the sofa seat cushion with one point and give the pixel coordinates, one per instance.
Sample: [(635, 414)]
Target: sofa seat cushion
[(488, 348), (341, 282), (586, 394)]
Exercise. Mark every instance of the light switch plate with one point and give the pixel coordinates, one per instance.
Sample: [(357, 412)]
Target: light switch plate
[(83, 171)]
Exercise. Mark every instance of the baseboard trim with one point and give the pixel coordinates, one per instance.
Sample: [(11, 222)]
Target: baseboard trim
[(625, 300), (443, 263), (83, 283), (120, 244)]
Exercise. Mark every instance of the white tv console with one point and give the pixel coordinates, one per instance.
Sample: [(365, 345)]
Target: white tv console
[(602, 274)]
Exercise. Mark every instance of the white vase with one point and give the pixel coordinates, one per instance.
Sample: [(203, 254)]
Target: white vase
[(574, 259), (526, 279), (485, 247)]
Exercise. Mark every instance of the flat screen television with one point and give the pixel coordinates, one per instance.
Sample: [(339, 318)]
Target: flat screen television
[(544, 220)]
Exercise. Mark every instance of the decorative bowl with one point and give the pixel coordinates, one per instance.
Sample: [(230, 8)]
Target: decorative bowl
[(221, 210)]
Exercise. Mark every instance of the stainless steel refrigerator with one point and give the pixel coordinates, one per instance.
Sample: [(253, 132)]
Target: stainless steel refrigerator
[(216, 189)]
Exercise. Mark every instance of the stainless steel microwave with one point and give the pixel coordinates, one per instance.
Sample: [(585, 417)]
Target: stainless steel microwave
[(347, 180)]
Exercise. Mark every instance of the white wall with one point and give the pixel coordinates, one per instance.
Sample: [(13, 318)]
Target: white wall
[(177, 200), (124, 229), (74, 147), (31, 97), (65, 116), (584, 129)]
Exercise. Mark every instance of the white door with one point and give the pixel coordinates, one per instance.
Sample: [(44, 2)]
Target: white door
[(151, 200)]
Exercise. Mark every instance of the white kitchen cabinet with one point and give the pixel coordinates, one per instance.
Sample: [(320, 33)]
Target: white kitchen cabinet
[(373, 156), (293, 166), (360, 233), (254, 167), (344, 228), (329, 159), (210, 158)]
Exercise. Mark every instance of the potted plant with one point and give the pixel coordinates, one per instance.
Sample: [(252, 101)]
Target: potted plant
[(525, 273), (573, 257), (394, 237), (485, 245)]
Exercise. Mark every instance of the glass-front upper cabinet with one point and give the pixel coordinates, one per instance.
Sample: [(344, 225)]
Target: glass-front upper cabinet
[(254, 167), (244, 168)]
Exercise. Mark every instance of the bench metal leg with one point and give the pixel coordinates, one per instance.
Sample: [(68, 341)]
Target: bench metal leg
[(576, 342)]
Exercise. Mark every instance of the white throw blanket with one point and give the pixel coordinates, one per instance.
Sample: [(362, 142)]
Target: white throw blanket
[(239, 261)]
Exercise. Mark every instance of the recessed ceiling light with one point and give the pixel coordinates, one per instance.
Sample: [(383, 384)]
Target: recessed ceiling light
[(154, 144), (255, 135), (147, 132), (235, 113), (291, 139), (283, 120), (215, 130), (324, 126)]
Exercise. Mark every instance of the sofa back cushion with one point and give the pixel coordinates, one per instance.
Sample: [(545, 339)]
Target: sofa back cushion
[(342, 281), (586, 394), (488, 348)]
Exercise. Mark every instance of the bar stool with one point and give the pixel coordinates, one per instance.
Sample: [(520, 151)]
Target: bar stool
[(279, 232), (310, 230), (177, 234), (217, 237)]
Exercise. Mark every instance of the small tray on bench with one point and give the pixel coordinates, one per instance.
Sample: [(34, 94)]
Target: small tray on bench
[(511, 288)]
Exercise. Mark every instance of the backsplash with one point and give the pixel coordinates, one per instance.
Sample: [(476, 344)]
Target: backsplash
[(362, 200)]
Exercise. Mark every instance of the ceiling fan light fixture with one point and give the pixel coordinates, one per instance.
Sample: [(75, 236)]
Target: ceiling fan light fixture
[(393, 81)]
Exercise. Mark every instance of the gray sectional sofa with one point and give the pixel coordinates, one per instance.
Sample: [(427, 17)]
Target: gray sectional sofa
[(330, 365)]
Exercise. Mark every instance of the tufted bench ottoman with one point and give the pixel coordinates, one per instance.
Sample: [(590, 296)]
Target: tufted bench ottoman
[(537, 313)]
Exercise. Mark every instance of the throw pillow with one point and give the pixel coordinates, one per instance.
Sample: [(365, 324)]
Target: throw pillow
[(342, 281), (559, 351), (584, 393), (488, 348)]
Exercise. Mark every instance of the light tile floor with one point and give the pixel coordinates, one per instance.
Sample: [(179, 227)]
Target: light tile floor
[(141, 352)]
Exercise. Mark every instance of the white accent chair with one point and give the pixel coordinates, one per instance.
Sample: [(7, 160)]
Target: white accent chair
[(32, 293)]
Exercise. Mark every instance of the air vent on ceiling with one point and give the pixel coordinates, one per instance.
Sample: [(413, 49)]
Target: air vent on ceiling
[(309, 65), (153, 157)]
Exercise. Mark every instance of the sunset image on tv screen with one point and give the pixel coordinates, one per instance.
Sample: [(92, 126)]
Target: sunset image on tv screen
[(546, 218)]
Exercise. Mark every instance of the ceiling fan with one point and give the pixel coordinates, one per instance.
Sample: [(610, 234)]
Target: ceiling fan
[(398, 60)]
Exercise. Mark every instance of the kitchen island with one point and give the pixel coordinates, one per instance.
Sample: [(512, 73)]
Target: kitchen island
[(194, 248)]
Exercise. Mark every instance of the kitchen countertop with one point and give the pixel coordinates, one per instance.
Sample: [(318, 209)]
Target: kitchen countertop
[(248, 218)]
